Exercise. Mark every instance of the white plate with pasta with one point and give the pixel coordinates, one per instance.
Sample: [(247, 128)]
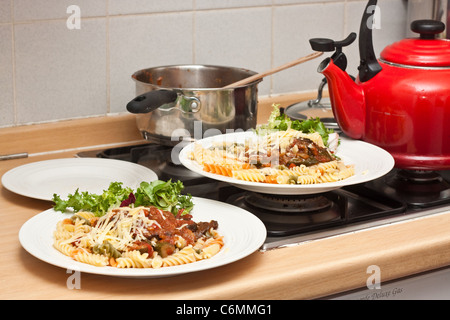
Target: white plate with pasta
[(225, 158), (243, 234)]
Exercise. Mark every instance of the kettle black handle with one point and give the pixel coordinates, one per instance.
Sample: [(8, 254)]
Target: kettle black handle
[(369, 66), (324, 45), (151, 101), (327, 45)]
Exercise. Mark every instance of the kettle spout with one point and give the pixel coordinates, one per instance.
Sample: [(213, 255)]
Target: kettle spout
[(347, 99)]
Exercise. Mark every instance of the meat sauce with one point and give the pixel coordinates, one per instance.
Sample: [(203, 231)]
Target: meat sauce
[(304, 151), (172, 227), (299, 151)]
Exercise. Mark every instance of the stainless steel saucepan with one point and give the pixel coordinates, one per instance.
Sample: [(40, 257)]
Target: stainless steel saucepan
[(190, 102)]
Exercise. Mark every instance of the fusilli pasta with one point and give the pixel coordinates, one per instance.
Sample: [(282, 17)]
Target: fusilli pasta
[(142, 237), (281, 157)]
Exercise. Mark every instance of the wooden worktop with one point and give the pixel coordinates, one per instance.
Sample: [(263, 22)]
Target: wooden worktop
[(309, 270)]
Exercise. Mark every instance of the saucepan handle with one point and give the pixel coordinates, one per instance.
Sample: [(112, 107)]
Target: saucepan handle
[(153, 100)]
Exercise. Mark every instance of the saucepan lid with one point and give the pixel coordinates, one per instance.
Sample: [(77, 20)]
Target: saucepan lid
[(306, 109), (316, 108)]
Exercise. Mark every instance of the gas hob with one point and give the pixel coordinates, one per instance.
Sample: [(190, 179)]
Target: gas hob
[(400, 195)]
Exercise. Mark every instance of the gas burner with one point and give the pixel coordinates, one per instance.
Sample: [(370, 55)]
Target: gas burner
[(418, 176), (299, 214), (287, 215), (169, 170), (418, 189), (288, 204)]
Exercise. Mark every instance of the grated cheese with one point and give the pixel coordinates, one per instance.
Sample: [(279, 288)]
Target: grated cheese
[(121, 227)]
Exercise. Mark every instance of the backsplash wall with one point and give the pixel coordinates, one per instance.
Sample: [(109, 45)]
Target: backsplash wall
[(56, 67)]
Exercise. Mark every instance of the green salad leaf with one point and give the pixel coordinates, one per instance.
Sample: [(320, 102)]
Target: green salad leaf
[(165, 195), (278, 121)]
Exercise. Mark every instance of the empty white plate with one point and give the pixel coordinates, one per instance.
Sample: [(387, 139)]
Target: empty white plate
[(40, 180)]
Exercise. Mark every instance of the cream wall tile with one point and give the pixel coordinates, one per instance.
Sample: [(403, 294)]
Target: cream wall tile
[(140, 42), (5, 11), (214, 4), (25, 10), (301, 1), (60, 73), (148, 6), (293, 27), (238, 38), (6, 77)]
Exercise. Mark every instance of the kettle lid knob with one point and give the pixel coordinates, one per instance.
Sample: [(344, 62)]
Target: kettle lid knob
[(428, 29)]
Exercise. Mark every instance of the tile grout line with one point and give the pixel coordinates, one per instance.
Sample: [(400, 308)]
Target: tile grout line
[(13, 62), (194, 24), (108, 60), (272, 43)]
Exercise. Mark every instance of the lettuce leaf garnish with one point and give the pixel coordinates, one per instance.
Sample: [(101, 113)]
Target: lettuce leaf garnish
[(165, 195), (278, 121)]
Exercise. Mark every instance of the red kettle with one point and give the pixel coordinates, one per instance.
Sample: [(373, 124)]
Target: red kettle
[(401, 101)]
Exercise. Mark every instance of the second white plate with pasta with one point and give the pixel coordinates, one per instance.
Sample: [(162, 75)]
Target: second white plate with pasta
[(368, 162), (243, 234)]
